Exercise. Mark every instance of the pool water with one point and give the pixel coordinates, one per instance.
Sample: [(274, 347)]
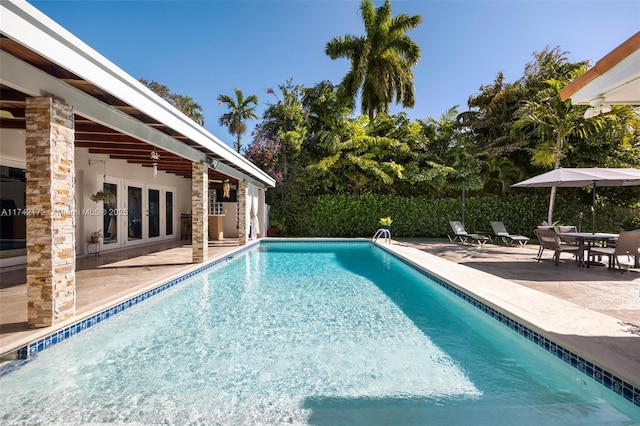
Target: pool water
[(305, 333)]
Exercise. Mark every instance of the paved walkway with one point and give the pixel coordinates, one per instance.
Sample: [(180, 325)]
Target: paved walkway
[(596, 288), (590, 301)]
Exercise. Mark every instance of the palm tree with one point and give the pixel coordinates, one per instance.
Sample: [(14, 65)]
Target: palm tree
[(381, 60), (553, 121), (240, 110)]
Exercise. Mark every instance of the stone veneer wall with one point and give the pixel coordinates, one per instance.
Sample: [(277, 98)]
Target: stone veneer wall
[(50, 209), (199, 211), (243, 214)]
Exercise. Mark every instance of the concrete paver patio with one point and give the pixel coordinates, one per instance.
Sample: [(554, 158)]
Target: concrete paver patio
[(596, 288)]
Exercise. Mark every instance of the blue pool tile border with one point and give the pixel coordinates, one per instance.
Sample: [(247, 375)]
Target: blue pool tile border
[(313, 241), (599, 374), (25, 353)]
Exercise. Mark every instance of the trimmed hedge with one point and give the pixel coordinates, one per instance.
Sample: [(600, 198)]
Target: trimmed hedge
[(357, 216)]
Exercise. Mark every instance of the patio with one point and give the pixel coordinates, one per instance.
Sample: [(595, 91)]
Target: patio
[(100, 281), (595, 288)]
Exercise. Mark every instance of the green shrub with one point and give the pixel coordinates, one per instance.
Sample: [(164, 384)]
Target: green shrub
[(294, 213)]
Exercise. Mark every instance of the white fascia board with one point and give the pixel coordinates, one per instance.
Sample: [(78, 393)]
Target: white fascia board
[(28, 26), (28, 79), (618, 85)]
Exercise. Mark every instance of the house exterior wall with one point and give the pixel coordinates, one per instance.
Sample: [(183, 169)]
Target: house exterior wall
[(89, 179)]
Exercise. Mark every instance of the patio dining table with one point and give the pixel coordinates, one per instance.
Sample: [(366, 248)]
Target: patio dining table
[(586, 240)]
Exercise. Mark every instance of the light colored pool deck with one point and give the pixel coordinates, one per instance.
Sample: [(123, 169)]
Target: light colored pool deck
[(594, 312)]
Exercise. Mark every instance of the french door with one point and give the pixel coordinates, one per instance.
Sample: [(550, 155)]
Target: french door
[(135, 204), (159, 213), (140, 213)]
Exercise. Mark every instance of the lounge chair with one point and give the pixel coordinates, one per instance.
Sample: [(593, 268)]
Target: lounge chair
[(507, 238), (628, 244), (548, 239), (464, 237)]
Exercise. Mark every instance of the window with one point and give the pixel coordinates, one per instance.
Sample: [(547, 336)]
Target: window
[(13, 218)]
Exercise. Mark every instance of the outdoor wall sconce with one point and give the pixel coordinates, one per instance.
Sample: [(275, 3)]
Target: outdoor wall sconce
[(212, 162), (155, 157), (598, 106)]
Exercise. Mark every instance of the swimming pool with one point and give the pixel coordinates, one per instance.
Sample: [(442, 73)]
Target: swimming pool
[(316, 333)]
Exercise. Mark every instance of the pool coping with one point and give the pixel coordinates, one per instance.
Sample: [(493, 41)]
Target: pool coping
[(574, 337), (27, 347), (515, 306)]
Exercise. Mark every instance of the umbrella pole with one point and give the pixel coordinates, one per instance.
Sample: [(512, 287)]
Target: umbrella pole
[(463, 201), (593, 209)]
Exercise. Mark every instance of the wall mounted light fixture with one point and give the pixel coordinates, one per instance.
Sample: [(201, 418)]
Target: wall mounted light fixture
[(598, 106), (212, 162)]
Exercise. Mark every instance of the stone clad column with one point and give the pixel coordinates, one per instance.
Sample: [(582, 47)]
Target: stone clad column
[(243, 214), (50, 208), (200, 211)]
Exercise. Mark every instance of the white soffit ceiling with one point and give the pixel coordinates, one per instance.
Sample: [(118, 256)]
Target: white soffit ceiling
[(619, 85)]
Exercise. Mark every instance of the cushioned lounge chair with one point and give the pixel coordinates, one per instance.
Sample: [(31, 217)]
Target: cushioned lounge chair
[(548, 239), (628, 244), (507, 238), (460, 234)]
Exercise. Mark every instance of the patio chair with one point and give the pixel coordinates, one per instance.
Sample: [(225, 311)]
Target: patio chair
[(568, 228), (463, 236), (507, 238), (548, 239), (628, 244)]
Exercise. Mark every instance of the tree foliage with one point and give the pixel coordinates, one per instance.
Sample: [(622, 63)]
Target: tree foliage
[(241, 109), (323, 155), (185, 104), (381, 59)]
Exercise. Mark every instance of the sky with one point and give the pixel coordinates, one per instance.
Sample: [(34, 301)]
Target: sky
[(206, 48)]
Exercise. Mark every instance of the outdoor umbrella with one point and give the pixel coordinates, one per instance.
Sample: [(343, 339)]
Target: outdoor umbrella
[(580, 177)]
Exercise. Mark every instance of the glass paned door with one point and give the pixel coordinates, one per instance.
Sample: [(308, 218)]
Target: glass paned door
[(168, 213), (110, 217), (154, 213), (134, 225)]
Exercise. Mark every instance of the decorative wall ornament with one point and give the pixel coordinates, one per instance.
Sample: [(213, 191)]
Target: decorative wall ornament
[(226, 189), (155, 156)]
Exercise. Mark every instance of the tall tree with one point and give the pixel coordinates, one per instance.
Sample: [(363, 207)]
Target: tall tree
[(185, 104), (553, 121), (241, 109), (381, 59)]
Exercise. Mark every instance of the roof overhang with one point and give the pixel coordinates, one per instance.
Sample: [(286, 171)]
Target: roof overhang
[(40, 58), (615, 79)]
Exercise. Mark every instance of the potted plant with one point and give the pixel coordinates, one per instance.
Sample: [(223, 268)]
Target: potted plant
[(95, 237), (385, 222), (102, 195)]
